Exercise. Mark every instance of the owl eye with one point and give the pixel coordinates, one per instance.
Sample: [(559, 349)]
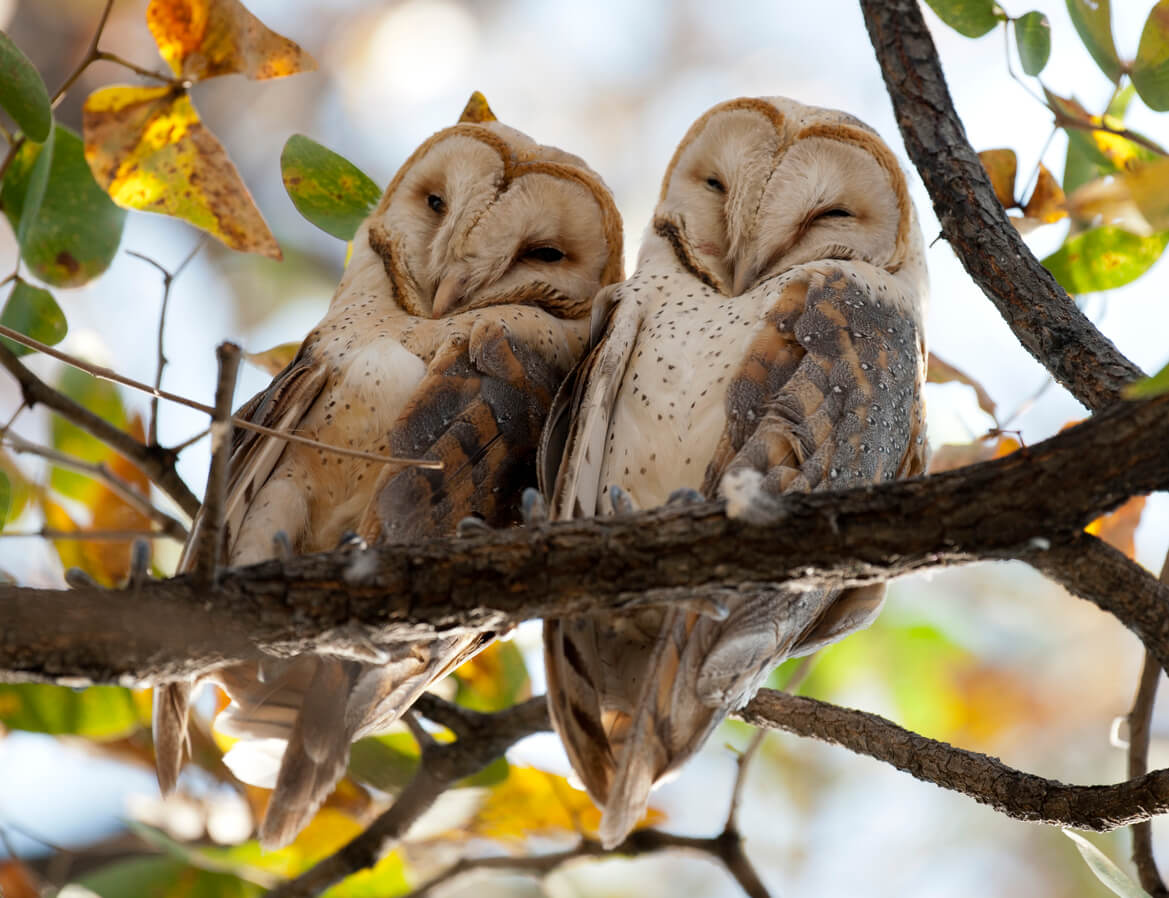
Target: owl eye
[(544, 254), (716, 185), (437, 203), (834, 213)]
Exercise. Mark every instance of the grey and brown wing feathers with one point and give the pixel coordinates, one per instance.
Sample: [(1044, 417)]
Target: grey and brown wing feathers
[(253, 457), (828, 395)]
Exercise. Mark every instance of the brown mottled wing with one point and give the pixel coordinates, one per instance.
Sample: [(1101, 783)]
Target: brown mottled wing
[(849, 412), (253, 457), (479, 410)]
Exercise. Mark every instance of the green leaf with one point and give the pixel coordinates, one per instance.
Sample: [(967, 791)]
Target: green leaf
[(1104, 258), (73, 235), (972, 18), (26, 208), (103, 399), (1033, 38), (1150, 70), (1094, 154), (99, 712), (1093, 21), (22, 92), (327, 189), (385, 762), (494, 679), (165, 876), (33, 311), (1106, 871), (5, 498), (1156, 385)]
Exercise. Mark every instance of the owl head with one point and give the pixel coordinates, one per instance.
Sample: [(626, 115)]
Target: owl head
[(482, 215), (759, 185)]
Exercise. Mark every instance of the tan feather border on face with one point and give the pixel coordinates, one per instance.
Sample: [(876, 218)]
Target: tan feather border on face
[(873, 144), (753, 104), (381, 242)]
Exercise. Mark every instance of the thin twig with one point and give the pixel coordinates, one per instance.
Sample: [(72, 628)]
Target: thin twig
[(102, 55), (190, 441), (744, 762), (1066, 121), (210, 539), (87, 59), (104, 373), (156, 462), (1139, 720), (168, 279), (89, 535), (170, 526)]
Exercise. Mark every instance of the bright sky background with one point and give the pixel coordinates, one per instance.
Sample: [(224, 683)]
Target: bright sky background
[(618, 83)]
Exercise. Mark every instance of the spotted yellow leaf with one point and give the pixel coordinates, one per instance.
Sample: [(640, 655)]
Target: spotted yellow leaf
[(201, 39), (477, 110), (148, 149)]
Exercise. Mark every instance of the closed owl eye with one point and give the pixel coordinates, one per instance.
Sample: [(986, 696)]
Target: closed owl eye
[(834, 212), (716, 185), (436, 202), (543, 254)]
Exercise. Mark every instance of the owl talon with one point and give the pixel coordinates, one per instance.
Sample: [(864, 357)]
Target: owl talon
[(283, 544), (350, 540), (470, 525), (685, 496), (621, 501), (139, 563), (533, 507), (78, 579)]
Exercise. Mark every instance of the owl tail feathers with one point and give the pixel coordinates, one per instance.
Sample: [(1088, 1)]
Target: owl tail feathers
[(172, 741), (316, 756), (628, 797)]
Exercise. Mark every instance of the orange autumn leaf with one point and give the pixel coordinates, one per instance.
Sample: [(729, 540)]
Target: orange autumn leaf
[(959, 455), (939, 371), (202, 39), (1046, 204), (148, 149), (1118, 529), (533, 802), (1001, 166), (16, 881)]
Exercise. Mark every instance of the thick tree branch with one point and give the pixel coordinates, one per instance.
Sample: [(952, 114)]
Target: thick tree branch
[(1029, 505), (156, 462), (209, 538), (987, 780), (1041, 314)]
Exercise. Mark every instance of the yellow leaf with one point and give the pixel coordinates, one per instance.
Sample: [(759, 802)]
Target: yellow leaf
[(1046, 204), (532, 802), (201, 39), (1000, 166), (1118, 529), (273, 360), (148, 149), (1136, 200), (477, 110)]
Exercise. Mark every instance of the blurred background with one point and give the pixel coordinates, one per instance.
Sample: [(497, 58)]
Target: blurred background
[(990, 657)]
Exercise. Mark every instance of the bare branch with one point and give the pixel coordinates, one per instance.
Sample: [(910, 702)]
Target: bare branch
[(1138, 763), (171, 527), (1030, 505), (1041, 314), (209, 541), (156, 462), (88, 535), (100, 371), (987, 780)]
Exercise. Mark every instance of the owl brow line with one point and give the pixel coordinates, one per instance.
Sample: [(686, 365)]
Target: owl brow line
[(104, 373), (668, 228), (750, 104)]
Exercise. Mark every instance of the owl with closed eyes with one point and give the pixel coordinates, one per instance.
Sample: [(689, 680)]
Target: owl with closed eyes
[(770, 340), (464, 305)]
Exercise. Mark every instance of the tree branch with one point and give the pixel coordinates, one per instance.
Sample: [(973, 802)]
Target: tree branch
[(1041, 314), (156, 462), (209, 540), (1030, 505), (987, 780)]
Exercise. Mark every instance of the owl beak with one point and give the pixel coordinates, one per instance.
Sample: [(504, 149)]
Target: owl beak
[(448, 295), (745, 275)]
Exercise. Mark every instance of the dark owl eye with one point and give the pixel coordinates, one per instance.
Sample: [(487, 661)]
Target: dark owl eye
[(544, 254), (716, 185), (835, 213), (436, 203)]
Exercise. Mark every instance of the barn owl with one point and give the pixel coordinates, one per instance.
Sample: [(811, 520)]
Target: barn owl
[(770, 340), (464, 305)]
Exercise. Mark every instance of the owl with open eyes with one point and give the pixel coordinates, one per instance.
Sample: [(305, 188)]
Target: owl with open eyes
[(464, 305), (770, 340)]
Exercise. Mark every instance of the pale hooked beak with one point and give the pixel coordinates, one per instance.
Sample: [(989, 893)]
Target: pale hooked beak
[(746, 273), (448, 295)]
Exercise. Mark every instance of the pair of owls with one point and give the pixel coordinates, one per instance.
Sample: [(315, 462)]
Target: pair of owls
[(770, 339)]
